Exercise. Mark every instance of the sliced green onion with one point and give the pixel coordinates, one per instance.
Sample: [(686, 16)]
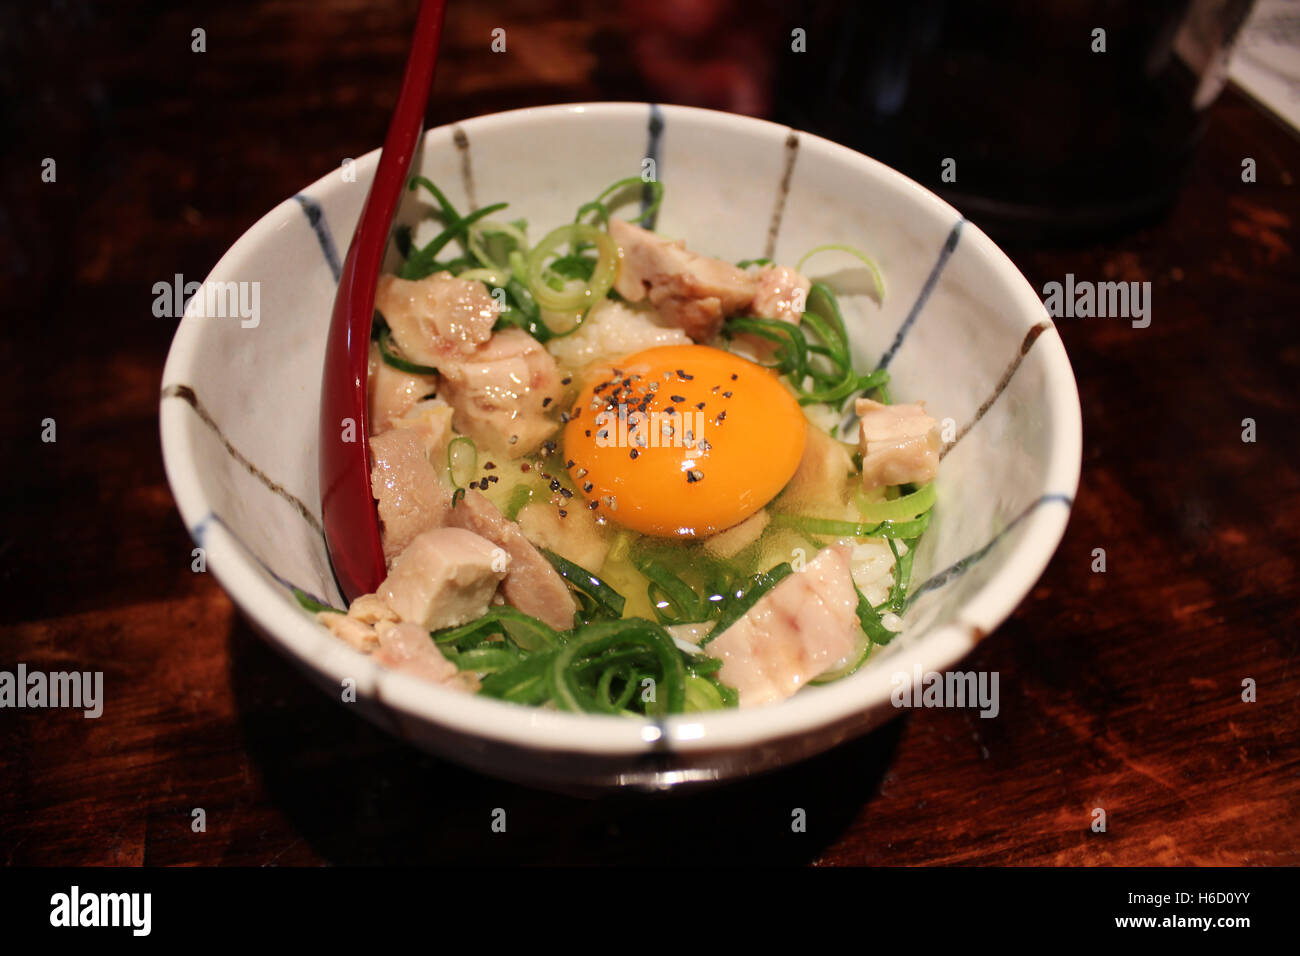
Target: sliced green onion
[(856, 658), (477, 244), (595, 639), (904, 508), (424, 261), (524, 631), (823, 304), (525, 683), (462, 461), (449, 212), (857, 254), (827, 527), (902, 575), (870, 621), (489, 277), (309, 603), (701, 695), (741, 601), (583, 297), (519, 497), (383, 336), (584, 581), (487, 659), (602, 210)]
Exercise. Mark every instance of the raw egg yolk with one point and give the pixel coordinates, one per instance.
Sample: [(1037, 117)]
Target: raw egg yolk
[(683, 440)]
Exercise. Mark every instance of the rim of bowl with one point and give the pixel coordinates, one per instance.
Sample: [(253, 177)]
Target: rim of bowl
[(273, 611)]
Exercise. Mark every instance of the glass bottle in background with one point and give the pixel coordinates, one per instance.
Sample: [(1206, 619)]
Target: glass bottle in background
[(1055, 131)]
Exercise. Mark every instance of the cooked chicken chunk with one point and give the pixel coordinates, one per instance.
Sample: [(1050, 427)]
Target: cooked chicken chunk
[(502, 392), (443, 578), (532, 585), (360, 634), (430, 421), (692, 292), (781, 293), (899, 443), (821, 483), (576, 536), (803, 627), (412, 498), (729, 543), (392, 392), (437, 316), (408, 648)]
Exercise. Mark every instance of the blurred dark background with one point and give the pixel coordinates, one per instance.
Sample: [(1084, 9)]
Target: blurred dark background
[(1119, 689)]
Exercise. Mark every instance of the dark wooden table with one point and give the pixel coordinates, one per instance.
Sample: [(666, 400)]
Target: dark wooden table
[(1120, 690)]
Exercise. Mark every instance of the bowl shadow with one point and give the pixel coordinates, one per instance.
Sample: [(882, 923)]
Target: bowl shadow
[(356, 795)]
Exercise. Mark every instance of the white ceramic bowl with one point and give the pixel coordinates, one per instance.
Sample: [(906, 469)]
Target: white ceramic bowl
[(959, 327)]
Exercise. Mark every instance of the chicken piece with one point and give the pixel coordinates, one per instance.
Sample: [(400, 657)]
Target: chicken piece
[(803, 627), (821, 482), (576, 536), (408, 648), (729, 543), (412, 499), (436, 317), (430, 421), (358, 634), (357, 626), (692, 292), (532, 585), (611, 331), (900, 444), (392, 392), (444, 578), (781, 293), (502, 392)]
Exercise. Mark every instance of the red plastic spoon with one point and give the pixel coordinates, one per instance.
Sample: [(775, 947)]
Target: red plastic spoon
[(347, 507)]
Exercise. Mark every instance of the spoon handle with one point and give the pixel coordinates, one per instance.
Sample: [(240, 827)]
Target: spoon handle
[(347, 506)]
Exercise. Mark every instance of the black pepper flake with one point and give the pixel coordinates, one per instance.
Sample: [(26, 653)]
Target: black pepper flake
[(493, 478), (726, 395), (489, 465), (569, 463), (548, 448), (546, 401), (563, 513), (555, 484), (683, 376), (592, 505), (602, 434), (699, 405), (587, 487), (568, 379), (694, 475), (633, 453), (722, 416), (678, 398), (734, 376), (566, 493)]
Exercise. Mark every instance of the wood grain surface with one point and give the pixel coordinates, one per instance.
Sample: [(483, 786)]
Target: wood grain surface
[(1120, 690)]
